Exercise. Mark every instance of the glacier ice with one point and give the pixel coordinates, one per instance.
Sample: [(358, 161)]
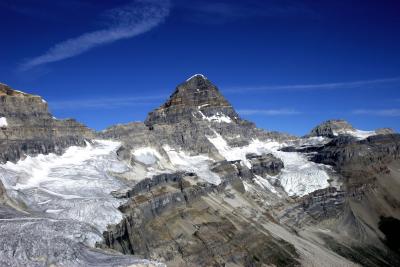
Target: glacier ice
[(75, 185), (299, 176), (69, 204)]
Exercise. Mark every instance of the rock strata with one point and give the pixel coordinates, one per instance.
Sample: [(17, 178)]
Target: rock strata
[(30, 129), (196, 99)]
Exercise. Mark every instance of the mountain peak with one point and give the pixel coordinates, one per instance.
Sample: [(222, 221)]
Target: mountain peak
[(194, 100)]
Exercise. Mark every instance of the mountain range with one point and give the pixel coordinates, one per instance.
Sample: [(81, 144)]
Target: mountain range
[(193, 185)]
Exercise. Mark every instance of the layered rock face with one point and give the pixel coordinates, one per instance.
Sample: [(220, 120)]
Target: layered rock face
[(178, 220), (28, 128), (196, 99)]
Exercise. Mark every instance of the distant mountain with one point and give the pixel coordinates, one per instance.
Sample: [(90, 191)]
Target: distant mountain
[(194, 185), (333, 128)]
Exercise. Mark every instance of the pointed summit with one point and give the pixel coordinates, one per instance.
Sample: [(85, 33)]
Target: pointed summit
[(197, 99)]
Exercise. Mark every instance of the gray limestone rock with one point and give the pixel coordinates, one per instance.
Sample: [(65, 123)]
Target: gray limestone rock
[(30, 129), (196, 99)]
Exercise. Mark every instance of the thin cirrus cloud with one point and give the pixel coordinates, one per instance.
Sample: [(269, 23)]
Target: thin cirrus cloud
[(394, 112), (126, 22), (364, 84), (268, 112)]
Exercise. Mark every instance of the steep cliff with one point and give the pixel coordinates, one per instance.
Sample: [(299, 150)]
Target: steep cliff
[(28, 128)]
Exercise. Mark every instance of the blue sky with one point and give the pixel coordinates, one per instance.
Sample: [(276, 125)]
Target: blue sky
[(287, 65)]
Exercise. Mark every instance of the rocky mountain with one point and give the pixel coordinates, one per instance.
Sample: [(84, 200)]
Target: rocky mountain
[(196, 99), (27, 127), (333, 128), (195, 185)]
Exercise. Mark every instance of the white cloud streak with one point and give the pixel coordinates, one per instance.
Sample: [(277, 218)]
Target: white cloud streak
[(128, 21), (394, 112), (378, 83), (268, 112)]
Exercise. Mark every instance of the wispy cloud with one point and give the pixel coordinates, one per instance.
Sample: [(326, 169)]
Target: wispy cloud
[(106, 103), (268, 112), (394, 112), (125, 22), (364, 84)]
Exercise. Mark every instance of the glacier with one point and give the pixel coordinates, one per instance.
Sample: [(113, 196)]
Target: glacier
[(299, 176)]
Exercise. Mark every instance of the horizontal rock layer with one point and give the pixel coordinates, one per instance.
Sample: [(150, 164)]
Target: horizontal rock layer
[(30, 129)]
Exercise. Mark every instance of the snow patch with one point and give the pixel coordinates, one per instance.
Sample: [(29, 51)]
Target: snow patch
[(147, 155), (359, 134), (197, 75), (202, 106), (219, 117), (198, 164), (3, 122)]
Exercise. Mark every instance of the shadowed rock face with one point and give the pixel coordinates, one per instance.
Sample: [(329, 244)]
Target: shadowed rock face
[(28, 128), (195, 99)]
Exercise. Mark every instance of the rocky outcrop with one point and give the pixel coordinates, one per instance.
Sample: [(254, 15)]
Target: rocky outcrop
[(28, 128), (266, 164)]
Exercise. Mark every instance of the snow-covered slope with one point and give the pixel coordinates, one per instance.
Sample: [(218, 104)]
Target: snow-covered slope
[(74, 186), (173, 160), (299, 176), (359, 134)]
